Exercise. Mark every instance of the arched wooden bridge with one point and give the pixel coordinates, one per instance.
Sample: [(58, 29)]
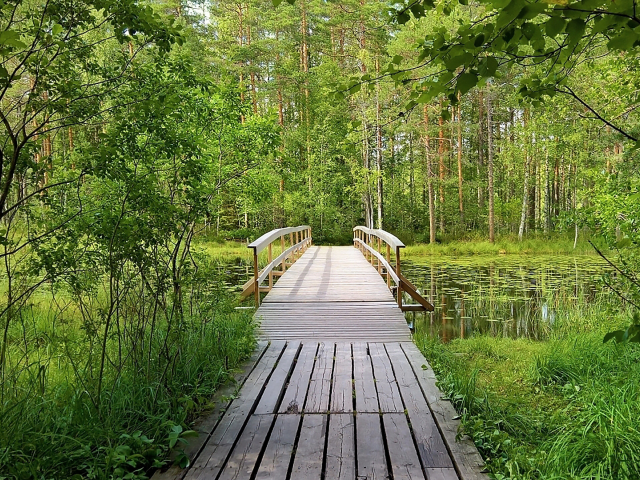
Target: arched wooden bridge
[(337, 389)]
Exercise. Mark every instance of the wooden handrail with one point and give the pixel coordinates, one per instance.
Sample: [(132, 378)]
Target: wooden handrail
[(268, 238), (303, 240), (363, 240)]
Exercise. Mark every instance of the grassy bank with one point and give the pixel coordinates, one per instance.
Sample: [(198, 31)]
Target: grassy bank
[(567, 408), (503, 246), (61, 417)]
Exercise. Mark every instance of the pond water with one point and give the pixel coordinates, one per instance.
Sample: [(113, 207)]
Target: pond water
[(505, 296), (515, 296)]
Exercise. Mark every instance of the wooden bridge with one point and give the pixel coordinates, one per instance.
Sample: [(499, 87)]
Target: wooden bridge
[(337, 389)]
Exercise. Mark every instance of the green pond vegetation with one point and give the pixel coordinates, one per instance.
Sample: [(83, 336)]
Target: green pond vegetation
[(144, 142)]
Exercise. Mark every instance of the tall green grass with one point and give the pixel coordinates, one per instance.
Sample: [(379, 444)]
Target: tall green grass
[(503, 246), (567, 408), (50, 425)]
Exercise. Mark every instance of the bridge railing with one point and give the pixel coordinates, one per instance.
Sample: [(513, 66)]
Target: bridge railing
[(372, 243), (299, 240)]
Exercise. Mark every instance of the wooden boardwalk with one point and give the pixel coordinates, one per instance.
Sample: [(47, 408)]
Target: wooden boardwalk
[(338, 411), (332, 293), (336, 390)]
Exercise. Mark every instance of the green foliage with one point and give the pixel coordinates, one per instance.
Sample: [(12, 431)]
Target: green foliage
[(563, 409)]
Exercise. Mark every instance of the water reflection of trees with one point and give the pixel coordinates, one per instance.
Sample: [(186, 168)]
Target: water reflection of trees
[(512, 299)]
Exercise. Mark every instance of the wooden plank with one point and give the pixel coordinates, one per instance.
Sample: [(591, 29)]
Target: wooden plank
[(273, 391), (364, 386), (464, 453), (372, 462), (431, 448), (307, 464), (214, 454), (405, 464), (386, 385), (296, 392), (342, 387), (277, 456), (341, 453), (320, 383), (244, 458)]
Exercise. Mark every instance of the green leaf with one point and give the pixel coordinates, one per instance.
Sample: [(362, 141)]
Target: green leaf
[(618, 335), (479, 41), (403, 18), (575, 29), (397, 59), (11, 38), (56, 29), (623, 41), (554, 26), (466, 82)]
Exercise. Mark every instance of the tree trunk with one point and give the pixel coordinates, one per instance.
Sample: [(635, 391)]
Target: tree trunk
[(460, 193), (480, 165), (378, 150), (525, 195), (441, 170), (490, 169), (432, 216)]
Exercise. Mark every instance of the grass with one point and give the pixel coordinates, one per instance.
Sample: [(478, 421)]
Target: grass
[(503, 246), (50, 425), (567, 408)]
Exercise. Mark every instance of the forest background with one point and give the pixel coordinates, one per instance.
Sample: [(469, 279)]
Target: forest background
[(132, 131)]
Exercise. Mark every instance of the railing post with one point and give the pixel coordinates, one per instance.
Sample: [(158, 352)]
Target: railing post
[(282, 248), (371, 257), (379, 262), (388, 262), (256, 286), (270, 259), (399, 280), (310, 237), (293, 253)]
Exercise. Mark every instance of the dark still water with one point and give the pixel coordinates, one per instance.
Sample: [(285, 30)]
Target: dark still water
[(506, 296)]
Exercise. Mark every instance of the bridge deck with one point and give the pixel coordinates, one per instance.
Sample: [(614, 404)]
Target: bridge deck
[(332, 293), (338, 393)]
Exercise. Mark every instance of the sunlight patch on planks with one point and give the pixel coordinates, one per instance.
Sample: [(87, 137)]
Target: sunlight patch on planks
[(332, 293)]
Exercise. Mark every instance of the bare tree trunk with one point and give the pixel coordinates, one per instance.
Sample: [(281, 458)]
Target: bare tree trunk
[(547, 210), (490, 169), (460, 193), (432, 213), (441, 170), (240, 43), (480, 165), (378, 149), (525, 195)]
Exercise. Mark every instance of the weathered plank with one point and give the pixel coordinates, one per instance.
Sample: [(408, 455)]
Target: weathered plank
[(430, 443), (364, 386), (386, 385), (277, 456), (405, 464), (464, 453), (307, 464), (294, 396), (372, 463), (342, 388), (341, 452), (273, 391), (320, 384), (244, 457), (214, 454)]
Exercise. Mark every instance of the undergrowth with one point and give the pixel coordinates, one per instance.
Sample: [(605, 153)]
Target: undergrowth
[(52, 428), (567, 408)]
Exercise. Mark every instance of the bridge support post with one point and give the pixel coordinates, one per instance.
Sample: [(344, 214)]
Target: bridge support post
[(398, 274), (256, 285), (388, 262)]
